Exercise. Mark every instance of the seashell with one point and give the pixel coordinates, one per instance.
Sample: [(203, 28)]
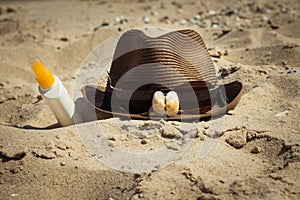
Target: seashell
[(172, 104), (158, 103)]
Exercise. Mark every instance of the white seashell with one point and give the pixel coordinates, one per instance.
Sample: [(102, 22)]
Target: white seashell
[(172, 103), (146, 19), (158, 103)]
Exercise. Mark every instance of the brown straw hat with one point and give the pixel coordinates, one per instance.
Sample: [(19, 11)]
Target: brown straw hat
[(176, 61)]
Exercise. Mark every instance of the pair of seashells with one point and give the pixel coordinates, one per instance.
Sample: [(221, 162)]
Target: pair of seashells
[(165, 105)]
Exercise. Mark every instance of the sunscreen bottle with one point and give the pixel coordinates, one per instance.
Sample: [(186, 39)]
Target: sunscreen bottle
[(53, 91)]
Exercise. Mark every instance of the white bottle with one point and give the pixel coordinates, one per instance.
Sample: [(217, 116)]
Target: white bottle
[(53, 91)]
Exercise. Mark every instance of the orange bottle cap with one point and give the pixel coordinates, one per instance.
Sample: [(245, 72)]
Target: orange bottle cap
[(43, 75)]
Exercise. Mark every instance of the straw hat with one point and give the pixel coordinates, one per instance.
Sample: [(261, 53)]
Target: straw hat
[(176, 61)]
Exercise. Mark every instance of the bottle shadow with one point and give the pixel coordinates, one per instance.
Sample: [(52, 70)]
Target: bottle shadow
[(53, 126), (83, 113)]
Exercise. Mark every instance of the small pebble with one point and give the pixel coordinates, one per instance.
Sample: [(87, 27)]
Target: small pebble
[(230, 112), (111, 143), (143, 141), (164, 19), (265, 18), (64, 39), (182, 22), (215, 25), (154, 13), (117, 20), (197, 17), (212, 12), (237, 139), (169, 132), (63, 163), (146, 19), (284, 10), (47, 155), (256, 150)]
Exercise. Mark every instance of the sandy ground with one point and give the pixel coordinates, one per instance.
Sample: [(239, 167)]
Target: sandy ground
[(256, 155)]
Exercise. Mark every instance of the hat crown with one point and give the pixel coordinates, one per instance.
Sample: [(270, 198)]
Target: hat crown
[(175, 58)]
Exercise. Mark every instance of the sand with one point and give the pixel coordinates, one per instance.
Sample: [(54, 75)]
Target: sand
[(255, 156)]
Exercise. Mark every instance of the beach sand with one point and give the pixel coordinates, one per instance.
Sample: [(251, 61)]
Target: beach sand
[(256, 155)]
